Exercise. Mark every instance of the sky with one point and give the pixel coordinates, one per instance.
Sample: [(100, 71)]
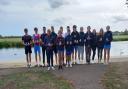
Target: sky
[(15, 15)]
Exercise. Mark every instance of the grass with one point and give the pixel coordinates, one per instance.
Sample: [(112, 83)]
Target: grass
[(33, 79), (120, 38), (10, 42), (116, 77)]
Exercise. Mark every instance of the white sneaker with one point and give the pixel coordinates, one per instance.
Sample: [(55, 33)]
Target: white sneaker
[(67, 65), (93, 62), (70, 65), (78, 61), (53, 68), (48, 68)]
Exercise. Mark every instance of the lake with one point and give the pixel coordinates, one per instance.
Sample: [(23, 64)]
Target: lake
[(118, 50)]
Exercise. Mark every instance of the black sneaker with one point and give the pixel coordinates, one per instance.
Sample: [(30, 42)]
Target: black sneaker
[(36, 66), (40, 66), (59, 67)]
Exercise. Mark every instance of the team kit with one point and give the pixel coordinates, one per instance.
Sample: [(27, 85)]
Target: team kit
[(69, 48)]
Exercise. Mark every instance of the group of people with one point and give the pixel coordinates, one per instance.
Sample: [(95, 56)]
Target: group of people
[(69, 46)]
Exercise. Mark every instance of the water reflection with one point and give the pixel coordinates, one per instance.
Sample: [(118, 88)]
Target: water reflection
[(119, 49)]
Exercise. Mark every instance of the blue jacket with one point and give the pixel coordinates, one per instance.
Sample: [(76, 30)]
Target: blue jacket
[(68, 43), (48, 41), (100, 41), (81, 39), (43, 37), (89, 39), (94, 40), (75, 36), (60, 43), (108, 38), (54, 36)]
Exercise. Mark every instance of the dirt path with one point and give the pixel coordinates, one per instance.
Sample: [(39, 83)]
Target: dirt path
[(84, 76), (80, 76)]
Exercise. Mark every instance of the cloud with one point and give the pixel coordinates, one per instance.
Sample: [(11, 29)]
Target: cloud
[(120, 18), (4, 2), (57, 3)]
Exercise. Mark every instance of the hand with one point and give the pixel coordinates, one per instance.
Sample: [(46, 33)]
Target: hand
[(67, 42)]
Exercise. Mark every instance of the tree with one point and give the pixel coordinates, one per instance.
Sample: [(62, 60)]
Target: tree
[(1, 36)]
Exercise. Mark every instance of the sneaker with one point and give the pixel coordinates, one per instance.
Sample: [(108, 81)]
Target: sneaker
[(28, 65), (36, 65), (59, 67), (48, 68), (67, 65), (53, 68), (93, 62), (70, 65), (78, 62), (40, 66)]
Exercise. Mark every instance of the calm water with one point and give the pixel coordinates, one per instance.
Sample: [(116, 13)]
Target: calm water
[(119, 49)]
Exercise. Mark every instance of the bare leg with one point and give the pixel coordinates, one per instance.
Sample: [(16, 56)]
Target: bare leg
[(108, 55), (27, 59), (39, 58), (36, 58), (30, 58), (104, 55), (73, 56), (56, 58)]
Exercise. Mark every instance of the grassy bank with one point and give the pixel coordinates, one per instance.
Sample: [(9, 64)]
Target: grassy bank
[(117, 76), (16, 42), (33, 79), (120, 38), (10, 42)]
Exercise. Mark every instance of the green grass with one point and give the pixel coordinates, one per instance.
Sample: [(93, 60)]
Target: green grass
[(10, 42), (115, 76), (120, 38), (33, 79)]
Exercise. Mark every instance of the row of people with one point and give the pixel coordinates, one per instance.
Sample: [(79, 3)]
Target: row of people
[(69, 44)]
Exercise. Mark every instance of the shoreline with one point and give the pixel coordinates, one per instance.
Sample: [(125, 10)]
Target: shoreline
[(16, 64)]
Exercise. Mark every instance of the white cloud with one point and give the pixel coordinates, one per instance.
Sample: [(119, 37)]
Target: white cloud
[(31, 13)]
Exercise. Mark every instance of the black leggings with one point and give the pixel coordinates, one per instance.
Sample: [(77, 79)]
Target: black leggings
[(43, 53), (100, 52), (88, 53), (94, 52)]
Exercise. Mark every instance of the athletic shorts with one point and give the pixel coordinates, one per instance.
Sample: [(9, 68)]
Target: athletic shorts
[(28, 49), (68, 58), (75, 48), (36, 49), (60, 49), (68, 53), (55, 49), (107, 46)]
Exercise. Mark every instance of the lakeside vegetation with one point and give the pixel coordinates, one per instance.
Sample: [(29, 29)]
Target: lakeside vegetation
[(16, 42)]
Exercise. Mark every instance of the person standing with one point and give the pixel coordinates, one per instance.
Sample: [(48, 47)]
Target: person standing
[(27, 42), (63, 35), (100, 44), (75, 36), (94, 44), (88, 37), (107, 44), (81, 45), (43, 35), (60, 48), (54, 36), (68, 47), (36, 41), (49, 42)]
